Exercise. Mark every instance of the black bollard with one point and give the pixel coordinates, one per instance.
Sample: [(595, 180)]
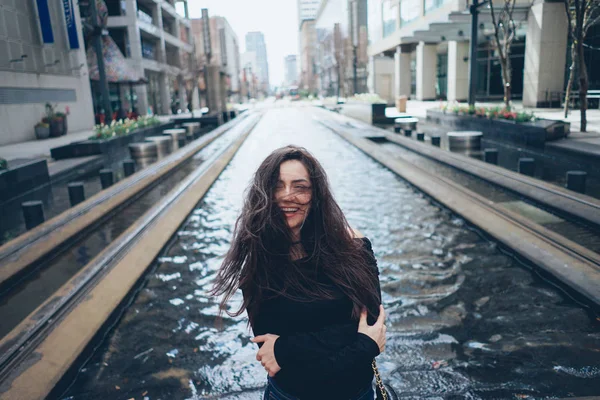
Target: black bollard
[(527, 166), (490, 156), (76, 193), (576, 181), (408, 132), (128, 167), (106, 178), (397, 129), (436, 141), (420, 136), (33, 213)]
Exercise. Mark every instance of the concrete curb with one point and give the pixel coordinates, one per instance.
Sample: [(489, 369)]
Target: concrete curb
[(123, 262), (21, 253)]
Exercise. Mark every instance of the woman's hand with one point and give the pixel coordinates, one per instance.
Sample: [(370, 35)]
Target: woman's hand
[(266, 354), (376, 331)]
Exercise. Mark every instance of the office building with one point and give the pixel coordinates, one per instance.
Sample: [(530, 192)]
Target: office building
[(255, 41), (291, 70)]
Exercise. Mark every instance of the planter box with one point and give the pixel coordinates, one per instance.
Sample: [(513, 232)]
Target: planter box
[(378, 114), (22, 176), (525, 133), (106, 146), (206, 120)]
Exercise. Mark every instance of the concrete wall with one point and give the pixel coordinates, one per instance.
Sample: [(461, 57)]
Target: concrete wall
[(49, 66)]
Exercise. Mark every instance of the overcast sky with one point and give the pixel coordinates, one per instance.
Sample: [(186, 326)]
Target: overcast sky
[(276, 19)]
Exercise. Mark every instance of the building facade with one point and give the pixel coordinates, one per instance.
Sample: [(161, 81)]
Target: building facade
[(249, 78), (341, 44), (225, 52), (42, 60), (420, 48), (255, 41), (308, 52), (291, 70), (157, 42)]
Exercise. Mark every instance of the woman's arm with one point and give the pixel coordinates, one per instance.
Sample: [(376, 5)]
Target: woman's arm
[(313, 351)]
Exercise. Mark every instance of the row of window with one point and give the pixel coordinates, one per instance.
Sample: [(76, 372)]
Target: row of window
[(409, 11)]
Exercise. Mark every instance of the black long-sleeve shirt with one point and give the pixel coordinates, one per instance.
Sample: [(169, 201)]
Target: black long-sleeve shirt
[(319, 349)]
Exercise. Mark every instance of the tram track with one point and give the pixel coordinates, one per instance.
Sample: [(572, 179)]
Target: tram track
[(44, 345), (570, 263)]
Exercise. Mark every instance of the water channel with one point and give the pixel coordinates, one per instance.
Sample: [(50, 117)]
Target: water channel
[(465, 320)]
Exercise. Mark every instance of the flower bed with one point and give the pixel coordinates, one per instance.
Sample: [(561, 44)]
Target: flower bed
[(122, 127), (489, 112), (497, 123), (111, 141)]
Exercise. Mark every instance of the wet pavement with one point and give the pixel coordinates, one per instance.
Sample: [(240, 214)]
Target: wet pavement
[(465, 321)]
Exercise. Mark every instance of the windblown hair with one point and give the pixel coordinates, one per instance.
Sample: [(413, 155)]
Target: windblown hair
[(259, 254)]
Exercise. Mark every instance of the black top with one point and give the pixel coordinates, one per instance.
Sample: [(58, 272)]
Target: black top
[(319, 349)]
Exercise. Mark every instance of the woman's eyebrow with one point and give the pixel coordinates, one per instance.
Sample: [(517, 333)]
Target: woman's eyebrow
[(295, 180)]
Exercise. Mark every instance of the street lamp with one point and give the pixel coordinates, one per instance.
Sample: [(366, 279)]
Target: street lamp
[(474, 10), (354, 19)]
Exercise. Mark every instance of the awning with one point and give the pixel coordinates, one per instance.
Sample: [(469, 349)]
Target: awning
[(116, 66)]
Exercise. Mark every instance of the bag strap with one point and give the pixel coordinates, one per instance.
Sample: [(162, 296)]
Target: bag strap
[(378, 381)]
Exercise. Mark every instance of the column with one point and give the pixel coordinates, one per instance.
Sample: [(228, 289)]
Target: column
[(135, 56), (183, 101), (402, 72), (545, 52), (165, 94), (426, 71), (458, 71)]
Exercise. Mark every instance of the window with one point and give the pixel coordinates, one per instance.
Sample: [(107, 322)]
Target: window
[(431, 5), (389, 15), (409, 11)]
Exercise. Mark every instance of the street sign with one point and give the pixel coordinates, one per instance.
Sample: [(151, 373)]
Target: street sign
[(45, 24), (70, 24)]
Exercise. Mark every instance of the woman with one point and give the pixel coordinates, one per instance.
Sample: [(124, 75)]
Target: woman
[(310, 284)]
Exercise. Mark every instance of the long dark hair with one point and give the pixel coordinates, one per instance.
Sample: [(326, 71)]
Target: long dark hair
[(259, 254)]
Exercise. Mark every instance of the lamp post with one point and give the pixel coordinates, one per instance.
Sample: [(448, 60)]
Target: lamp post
[(474, 10), (97, 39)]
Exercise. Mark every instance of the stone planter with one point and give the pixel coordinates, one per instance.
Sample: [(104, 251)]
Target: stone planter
[(110, 147), (57, 127), (534, 134), (42, 132)]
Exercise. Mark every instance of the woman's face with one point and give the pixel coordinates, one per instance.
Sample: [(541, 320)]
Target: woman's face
[(293, 193)]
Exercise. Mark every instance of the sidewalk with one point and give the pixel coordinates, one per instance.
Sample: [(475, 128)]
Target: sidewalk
[(587, 143), (40, 148)]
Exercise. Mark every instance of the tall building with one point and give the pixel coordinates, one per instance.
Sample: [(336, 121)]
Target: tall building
[(341, 47), (225, 52), (420, 48), (39, 64), (255, 41), (308, 43), (157, 42), (291, 70), (307, 10)]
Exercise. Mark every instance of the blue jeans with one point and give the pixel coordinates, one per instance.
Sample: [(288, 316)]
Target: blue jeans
[(274, 392)]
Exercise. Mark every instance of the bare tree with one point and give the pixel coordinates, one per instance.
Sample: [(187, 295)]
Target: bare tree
[(581, 14), (505, 30)]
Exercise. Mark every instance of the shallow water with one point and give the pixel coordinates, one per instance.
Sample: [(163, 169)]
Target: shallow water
[(465, 321)]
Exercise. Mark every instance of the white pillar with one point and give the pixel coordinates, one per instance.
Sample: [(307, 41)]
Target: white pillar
[(402, 72), (426, 71), (545, 52), (165, 94), (458, 71)]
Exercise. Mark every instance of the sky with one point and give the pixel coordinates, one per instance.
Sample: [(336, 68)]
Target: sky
[(276, 19)]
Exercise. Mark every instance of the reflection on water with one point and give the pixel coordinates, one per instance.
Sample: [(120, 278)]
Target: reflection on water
[(465, 321)]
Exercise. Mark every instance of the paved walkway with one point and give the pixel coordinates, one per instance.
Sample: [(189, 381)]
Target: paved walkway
[(587, 143)]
